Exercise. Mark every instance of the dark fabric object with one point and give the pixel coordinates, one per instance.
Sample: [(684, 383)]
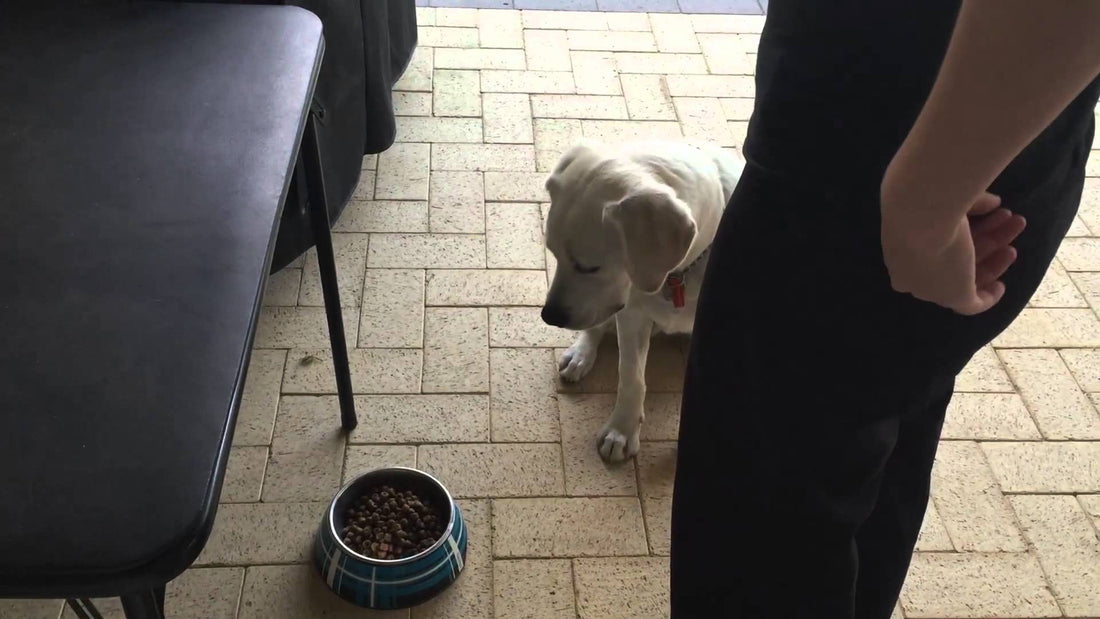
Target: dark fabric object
[(368, 46), (814, 393)]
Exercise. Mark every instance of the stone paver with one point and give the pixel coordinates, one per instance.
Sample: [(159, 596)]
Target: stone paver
[(292, 591), (392, 314), (1051, 467), (244, 474), (988, 416), (984, 373), (456, 351), (622, 587), (403, 173), (572, 527), (351, 262), (1061, 410), (442, 273), (586, 474), (1068, 550), (978, 586), (533, 589), (457, 202), (976, 514), (496, 470), (933, 534), (373, 370), (523, 402)]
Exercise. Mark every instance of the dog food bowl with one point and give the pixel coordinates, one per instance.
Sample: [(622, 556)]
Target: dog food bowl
[(390, 584)]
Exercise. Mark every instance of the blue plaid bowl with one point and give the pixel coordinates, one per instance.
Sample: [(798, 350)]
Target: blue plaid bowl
[(385, 585)]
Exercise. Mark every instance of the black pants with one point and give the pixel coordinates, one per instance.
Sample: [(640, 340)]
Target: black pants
[(813, 404)]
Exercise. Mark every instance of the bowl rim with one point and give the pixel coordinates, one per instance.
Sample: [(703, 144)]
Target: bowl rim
[(330, 520)]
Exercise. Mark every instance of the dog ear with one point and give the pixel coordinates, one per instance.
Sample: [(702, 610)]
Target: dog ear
[(553, 182), (657, 230)]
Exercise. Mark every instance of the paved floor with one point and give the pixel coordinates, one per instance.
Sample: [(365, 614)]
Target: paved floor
[(743, 7), (442, 272)]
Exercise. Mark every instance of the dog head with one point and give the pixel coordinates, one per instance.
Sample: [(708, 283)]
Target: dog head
[(612, 230)]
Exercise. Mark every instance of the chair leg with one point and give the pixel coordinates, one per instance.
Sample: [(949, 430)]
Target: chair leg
[(84, 608), (326, 261), (148, 604)]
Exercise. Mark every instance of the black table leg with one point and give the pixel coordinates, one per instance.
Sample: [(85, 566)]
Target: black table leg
[(84, 608), (326, 261), (147, 604)]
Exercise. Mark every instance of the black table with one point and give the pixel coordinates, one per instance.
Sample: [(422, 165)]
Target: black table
[(145, 155)]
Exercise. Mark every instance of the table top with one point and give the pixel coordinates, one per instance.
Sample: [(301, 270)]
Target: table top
[(145, 153)]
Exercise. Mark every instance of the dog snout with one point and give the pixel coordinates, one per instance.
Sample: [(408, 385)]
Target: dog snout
[(555, 315)]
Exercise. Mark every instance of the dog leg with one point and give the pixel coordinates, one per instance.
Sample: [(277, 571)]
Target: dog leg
[(578, 359), (618, 440)]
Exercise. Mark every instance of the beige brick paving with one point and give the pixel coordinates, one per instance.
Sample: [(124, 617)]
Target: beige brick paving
[(647, 97), (378, 370), (535, 589), (456, 93), (292, 591), (976, 514), (547, 50), (457, 202), (942, 585), (568, 527), (508, 118), (351, 262), (382, 216), (595, 73), (436, 129), (486, 287), (1057, 290), (456, 351), (244, 474), (622, 587), (442, 272), (1053, 395), (1068, 549), (403, 173)]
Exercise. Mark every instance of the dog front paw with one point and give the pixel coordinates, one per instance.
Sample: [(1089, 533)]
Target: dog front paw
[(615, 445), (578, 360)]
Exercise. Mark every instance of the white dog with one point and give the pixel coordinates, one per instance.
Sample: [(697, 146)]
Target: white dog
[(630, 227)]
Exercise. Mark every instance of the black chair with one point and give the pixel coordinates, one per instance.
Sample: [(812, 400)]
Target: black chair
[(146, 151)]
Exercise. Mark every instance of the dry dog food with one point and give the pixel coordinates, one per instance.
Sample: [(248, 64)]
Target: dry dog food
[(390, 523)]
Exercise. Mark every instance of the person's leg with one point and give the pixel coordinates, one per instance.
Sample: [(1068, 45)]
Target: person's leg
[(764, 518), (786, 428), (886, 540), (811, 385)]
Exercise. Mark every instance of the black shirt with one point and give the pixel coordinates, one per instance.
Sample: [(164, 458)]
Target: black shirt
[(839, 83)]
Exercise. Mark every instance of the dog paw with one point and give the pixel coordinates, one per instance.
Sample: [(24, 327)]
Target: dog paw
[(617, 446), (577, 362)]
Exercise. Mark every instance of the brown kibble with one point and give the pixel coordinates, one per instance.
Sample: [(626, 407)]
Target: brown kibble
[(391, 523)]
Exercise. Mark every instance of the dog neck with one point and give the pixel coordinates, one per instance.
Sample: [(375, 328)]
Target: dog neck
[(674, 288)]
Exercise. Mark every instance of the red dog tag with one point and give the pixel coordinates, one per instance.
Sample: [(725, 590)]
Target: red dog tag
[(676, 287)]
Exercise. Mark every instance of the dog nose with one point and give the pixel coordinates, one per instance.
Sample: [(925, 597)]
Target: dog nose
[(554, 316)]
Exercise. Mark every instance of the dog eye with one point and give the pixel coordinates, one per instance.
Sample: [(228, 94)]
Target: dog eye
[(584, 270)]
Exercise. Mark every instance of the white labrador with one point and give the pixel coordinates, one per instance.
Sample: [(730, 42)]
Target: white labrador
[(631, 227)]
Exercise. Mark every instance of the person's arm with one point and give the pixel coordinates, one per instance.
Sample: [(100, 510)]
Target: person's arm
[(1011, 67)]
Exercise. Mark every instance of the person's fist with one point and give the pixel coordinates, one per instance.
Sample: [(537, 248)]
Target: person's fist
[(960, 271)]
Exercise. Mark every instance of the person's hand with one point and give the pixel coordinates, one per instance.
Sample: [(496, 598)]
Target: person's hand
[(962, 268)]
